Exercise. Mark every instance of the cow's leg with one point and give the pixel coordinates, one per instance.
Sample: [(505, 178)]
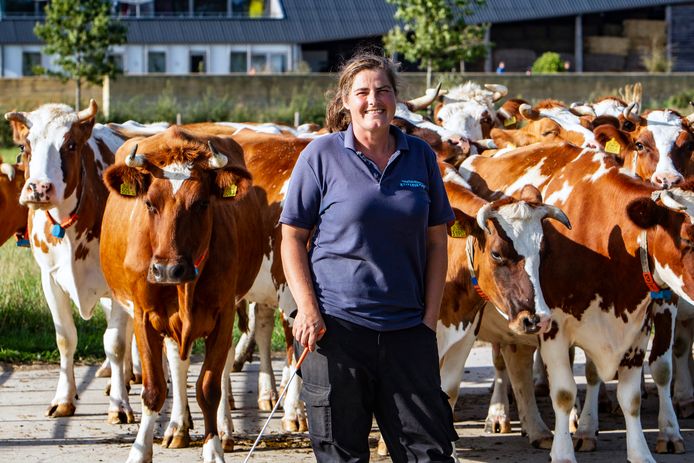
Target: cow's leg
[(660, 362), (246, 345), (540, 380), (63, 403), (224, 422), (294, 419), (518, 360), (104, 370), (498, 417), (454, 348), (149, 343), (629, 397), (136, 364), (585, 437), (177, 434), (682, 350), (209, 384), (555, 353), (264, 324), (117, 336)]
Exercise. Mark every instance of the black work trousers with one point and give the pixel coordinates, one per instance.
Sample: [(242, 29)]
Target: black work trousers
[(357, 373)]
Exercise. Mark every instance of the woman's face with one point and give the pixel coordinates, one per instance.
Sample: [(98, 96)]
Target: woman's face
[(371, 101)]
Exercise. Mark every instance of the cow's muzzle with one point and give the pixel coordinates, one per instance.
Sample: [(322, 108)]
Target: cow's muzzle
[(170, 273), (37, 194), (528, 323)]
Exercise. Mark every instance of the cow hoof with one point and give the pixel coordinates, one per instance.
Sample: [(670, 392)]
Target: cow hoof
[(178, 440), (685, 408), (120, 417), (573, 424), (542, 390), (266, 405), (136, 379), (60, 410), (107, 390), (227, 442), (382, 450), (669, 446), (585, 444), (544, 443), (103, 372), (497, 425), (290, 425)]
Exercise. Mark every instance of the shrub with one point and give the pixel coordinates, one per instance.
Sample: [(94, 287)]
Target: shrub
[(680, 101), (548, 63)]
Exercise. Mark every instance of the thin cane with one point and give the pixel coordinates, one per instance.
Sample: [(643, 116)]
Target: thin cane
[(274, 409)]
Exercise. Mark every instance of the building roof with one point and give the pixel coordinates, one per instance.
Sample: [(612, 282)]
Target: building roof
[(309, 21)]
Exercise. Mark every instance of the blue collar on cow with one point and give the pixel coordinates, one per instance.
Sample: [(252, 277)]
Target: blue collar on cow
[(470, 251), (657, 293), (198, 262), (21, 236)]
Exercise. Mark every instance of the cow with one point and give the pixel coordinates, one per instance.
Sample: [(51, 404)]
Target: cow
[(180, 247), (63, 155), (598, 296), (508, 115), (14, 215)]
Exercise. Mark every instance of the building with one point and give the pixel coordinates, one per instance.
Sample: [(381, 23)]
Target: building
[(219, 37)]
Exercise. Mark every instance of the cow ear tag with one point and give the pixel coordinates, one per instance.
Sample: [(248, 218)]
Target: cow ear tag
[(57, 230), (457, 230), (510, 121), (230, 191), (613, 146), (127, 189)]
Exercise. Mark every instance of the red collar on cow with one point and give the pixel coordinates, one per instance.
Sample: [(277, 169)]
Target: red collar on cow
[(657, 293), (198, 262), (470, 251), (21, 236), (58, 228)]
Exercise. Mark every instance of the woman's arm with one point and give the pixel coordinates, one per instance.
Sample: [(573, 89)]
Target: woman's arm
[(435, 278), (308, 324)]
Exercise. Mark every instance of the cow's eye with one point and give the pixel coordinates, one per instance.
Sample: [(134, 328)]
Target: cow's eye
[(496, 257), (21, 148), (150, 206), (639, 146)]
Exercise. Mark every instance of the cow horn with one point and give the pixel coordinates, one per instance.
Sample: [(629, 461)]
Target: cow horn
[(217, 160), (668, 200), (583, 109), (89, 112), (7, 169), (485, 213), (135, 160), (553, 212), (427, 99), (18, 116), (690, 118), (528, 112), (631, 113), (486, 143), (499, 91)]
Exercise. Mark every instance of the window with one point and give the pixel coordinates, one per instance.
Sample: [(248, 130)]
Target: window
[(238, 62), (197, 62), (30, 60), (156, 62), (258, 63), (171, 7), (210, 8), (278, 62), (117, 59), (248, 8)]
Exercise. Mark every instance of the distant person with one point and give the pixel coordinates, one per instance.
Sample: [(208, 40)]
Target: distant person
[(529, 71), (501, 68), (567, 66)]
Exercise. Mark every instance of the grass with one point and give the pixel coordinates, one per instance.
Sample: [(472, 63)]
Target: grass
[(26, 329), (9, 154)]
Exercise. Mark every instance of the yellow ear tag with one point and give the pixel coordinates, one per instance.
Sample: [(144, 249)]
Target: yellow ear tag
[(127, 189), (457, 230), (510, 121), (230, 191), (613, 146)]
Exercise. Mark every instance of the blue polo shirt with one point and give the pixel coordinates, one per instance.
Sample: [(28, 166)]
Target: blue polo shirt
[(368, 254)]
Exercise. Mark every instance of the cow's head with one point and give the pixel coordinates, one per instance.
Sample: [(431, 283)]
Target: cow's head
[(558, 121), (667, 218), (662, 145), (452, 150), (51, 139), (179, 179), (509, 241), (14, 216)]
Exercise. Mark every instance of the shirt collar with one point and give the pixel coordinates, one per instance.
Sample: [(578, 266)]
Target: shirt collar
[(400, 139)]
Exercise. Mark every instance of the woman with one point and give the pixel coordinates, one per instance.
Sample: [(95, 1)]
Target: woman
[(371, 201)]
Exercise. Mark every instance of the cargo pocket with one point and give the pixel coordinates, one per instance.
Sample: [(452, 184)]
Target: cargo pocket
[(317, 400)]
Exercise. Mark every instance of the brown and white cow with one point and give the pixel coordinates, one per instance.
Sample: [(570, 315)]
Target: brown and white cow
[(180, 245), (592, 276), (14, 215), (64, 154)]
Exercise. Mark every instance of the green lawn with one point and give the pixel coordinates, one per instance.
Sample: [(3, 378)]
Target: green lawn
[(9, 154)]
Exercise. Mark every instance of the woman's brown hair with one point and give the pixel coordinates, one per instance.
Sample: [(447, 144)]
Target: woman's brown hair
[(336, 116)]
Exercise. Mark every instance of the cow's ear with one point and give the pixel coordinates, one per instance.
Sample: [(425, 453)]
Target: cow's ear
[(125, 181), (531, 195), (605, 119), (19, 131), (645, 213), (462, 226), (232, 182), (613, 140)]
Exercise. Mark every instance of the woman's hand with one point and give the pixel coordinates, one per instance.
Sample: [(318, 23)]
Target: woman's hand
[(308, 328)]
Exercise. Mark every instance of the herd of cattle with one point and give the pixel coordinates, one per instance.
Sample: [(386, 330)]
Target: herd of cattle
[(169, 227)]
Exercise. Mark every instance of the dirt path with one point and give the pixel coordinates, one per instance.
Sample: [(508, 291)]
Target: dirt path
[(26, 436)]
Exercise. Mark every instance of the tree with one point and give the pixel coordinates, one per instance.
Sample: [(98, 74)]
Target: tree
[(434, 33), (79, 33)]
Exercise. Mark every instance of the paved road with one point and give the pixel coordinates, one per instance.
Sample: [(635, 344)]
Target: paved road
[(26, 436)]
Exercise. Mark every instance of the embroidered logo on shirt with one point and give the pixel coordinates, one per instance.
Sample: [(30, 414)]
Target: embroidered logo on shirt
[(412, 184)]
